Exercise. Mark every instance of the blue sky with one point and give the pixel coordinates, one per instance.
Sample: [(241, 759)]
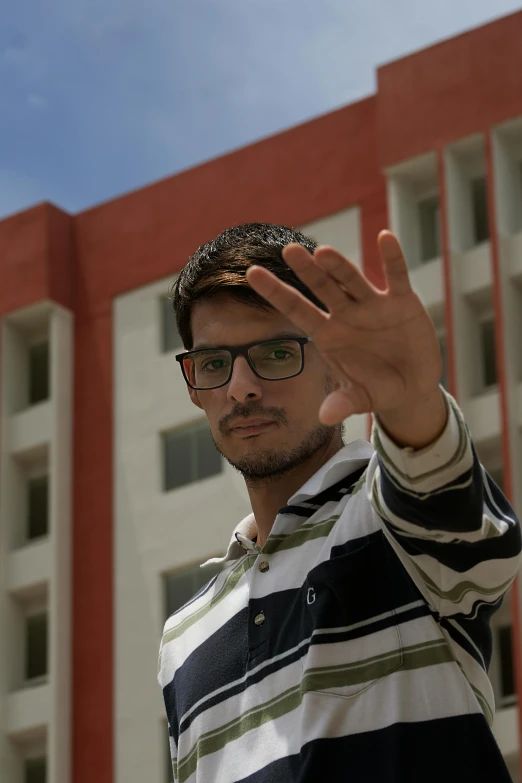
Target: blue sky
[(99, 97)]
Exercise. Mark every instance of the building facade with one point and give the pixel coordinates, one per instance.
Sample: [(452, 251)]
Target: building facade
[(111, 492)]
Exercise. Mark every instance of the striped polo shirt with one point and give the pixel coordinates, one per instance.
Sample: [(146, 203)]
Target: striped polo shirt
[(354, 646)]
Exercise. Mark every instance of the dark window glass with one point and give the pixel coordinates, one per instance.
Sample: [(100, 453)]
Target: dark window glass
[(38, 373), (489, 355), (35, 770), (507, 677), (429, 221), (177, 456), (36, 646), (208, 457), (189, 455), (479, 203), (38, 507), (182, 585), (170, 338)]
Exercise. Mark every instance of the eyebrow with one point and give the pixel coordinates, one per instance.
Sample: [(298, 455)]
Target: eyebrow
[(278, 336)]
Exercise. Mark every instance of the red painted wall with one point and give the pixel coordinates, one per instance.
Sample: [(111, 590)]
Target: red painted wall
[(450, 90), (333, 162)]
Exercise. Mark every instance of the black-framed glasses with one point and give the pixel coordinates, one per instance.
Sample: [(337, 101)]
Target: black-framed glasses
[(271, 360)]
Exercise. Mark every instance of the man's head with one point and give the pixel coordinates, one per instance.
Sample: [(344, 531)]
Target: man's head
[(216, 307)]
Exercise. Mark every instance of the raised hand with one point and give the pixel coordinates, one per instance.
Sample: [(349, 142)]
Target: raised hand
[(380, 345)]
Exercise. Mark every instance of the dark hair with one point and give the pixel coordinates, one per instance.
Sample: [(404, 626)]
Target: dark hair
[(221, 264)]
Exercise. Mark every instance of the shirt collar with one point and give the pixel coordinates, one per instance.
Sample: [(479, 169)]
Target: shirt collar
[(347, 460)]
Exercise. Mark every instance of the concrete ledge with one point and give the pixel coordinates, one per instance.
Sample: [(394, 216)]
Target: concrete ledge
[(27, 712), (473, 270), (28, 569), (30, 431)]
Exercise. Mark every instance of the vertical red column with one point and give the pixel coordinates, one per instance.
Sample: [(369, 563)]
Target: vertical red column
[(504, 407), (93, 615)]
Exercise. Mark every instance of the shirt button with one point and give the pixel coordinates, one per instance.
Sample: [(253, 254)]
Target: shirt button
[(264, 566), (259, 619)]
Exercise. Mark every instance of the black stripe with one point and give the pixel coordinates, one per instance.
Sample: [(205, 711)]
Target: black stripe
[(220, 659), (334, 494), (461, 556), (380, 625), (452, 511), (459, 749)]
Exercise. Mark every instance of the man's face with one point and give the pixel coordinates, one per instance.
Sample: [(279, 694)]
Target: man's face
[(293, 403)]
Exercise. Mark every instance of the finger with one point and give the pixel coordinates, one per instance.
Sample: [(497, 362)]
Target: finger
[(323, 285), (345, 272), (340, 404), (395, 267), (287, 299)]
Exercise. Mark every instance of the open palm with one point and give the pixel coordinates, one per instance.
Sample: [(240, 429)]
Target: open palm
[(381, 345)]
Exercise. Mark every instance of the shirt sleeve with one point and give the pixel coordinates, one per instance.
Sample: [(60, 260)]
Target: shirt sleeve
[(450, 524)]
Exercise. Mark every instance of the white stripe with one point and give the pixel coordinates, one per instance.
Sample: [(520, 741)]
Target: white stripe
[(372, 620)]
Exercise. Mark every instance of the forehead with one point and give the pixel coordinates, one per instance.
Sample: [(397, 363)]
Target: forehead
[(222, 320)]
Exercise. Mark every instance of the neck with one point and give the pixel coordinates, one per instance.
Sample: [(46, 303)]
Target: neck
[(268, 495)]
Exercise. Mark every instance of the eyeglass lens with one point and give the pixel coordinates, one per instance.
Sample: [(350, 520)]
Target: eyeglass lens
[(273, 360)]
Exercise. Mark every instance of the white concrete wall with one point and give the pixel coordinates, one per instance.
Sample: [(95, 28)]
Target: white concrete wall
[(155, 532), (342, 231), (35, 574)]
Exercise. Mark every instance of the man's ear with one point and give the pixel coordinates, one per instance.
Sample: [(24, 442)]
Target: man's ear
[(193, 394)]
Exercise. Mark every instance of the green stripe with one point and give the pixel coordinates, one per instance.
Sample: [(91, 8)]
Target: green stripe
[(459, 591), (307, 532), (409, 658), (361, 672), (455, 459), (229, 584)]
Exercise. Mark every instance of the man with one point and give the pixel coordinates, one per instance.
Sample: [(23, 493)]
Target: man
[(347, 637)]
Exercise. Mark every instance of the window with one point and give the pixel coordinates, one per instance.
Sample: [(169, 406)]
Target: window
[(429, 224), (479, 205), (37, 507), (170, 338), (38, 372), (507, 676), (189, 455), (36, 647), (182, 585), (489, 354), (35, 770)]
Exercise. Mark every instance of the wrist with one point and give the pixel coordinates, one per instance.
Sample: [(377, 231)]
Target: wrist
[(418, 424)]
